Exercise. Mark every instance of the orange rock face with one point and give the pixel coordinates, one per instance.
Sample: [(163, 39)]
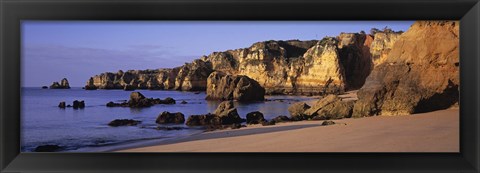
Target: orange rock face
[(420, 74)]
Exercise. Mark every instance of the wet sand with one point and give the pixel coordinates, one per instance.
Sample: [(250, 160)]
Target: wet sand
[(436, 131)]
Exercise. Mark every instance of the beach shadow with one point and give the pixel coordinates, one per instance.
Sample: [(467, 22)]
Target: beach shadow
[(238, 132)]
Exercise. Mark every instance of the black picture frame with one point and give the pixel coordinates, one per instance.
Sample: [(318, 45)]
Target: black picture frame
[(14, 11)]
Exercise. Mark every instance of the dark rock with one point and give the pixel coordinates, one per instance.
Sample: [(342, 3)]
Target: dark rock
[(76, 104), (123, 122), (222, 86), (62, 85), (204, 120), (255, 118), (48, 148), (167, 100), (328, 122), (183, 102), (44, 87), (129, 87), (281, 118), (61, 105), (68, 106), (170, 128), (268, 123), (81, 104), (228, 113), (167, 117), (236, 126)]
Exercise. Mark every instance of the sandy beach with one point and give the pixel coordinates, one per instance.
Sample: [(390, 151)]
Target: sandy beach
[(436, 131)]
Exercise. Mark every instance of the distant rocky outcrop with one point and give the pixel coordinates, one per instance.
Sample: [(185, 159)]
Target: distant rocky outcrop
[(138, 100), (420, 74), (221, 86), (62, 85), (330, 65), (123, 122)]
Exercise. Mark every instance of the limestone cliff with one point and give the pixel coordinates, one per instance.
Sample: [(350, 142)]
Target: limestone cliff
[(420, 74), (330, 65)]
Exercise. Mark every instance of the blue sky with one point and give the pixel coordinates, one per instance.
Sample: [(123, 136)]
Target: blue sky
[(52, 50)]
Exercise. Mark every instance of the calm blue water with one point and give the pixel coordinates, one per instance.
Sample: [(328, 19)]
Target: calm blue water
[(42, 122)]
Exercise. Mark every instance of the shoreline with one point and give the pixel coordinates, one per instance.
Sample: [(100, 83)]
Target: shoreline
[(436, 131)]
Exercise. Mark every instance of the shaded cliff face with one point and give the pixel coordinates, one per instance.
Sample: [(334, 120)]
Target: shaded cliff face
[(420, 74), (233, 87), (331, 65)]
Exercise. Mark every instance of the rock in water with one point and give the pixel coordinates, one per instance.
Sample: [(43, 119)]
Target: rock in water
[(420, 74), (225, 114), (81, 104), (204, 120), (167, 117), (44, 87), (221, 86), (47, 148), (297, 111), (255, 118), (62, 85), (62, 105), (90, 84), (123, 122), (76, 104), (228, 113)]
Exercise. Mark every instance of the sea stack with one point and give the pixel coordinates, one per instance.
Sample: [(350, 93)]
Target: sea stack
[(62, 85)]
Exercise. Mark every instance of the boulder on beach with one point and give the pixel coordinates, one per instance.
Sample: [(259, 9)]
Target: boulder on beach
[(255, 118), (62, 85), (330, 107), (123, 122), (222, 86), (281, 118), (48, 148), (297, 110), (167, 118)]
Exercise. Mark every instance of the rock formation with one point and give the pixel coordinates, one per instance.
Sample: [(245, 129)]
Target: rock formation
[(255, 118), (221, 86), (167, 118), (330, 65), (123, 122), (225, 114), (329, 107), (420, 74), (138, 100), (62, 85)]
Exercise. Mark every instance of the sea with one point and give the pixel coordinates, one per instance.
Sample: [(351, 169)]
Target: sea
[(87, 130)]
